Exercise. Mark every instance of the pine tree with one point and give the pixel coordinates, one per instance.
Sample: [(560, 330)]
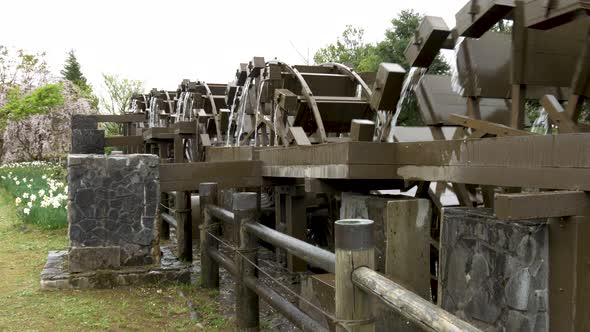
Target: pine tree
[(73, 73)]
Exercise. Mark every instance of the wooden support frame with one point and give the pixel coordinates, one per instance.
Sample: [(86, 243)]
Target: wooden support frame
[(228, 174), (535, 161), (558, 115), (486, 127), (541, 205)]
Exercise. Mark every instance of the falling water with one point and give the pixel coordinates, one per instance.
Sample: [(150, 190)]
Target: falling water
[(242, 110), (257, 113), (414, 76), (179, 106), (231, 116), (541, 124), (153, 112)]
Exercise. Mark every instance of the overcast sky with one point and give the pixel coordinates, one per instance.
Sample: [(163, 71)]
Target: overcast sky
[(162, 42)]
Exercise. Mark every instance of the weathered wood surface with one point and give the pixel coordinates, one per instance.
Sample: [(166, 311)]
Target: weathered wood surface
[(229, 174), (123, 141), (126, 118), (541, 205), (407, 258), (486, 126), (536, 161), (428, 315), (159, 134)]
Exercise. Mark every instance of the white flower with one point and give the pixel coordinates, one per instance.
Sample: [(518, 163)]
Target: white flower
[(44, 177), (33, 197), (30, 204), (41, 192), (17, 182), (17, 200), (25, 180), (55, 204), (26, 195), (29, 186), (3, 177), (26, 211), (44, 204)]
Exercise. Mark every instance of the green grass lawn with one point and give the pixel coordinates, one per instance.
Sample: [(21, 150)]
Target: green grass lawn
[(24, 307)]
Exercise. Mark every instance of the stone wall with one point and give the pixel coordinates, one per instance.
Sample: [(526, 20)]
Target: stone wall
[(495, 273), (86, 138), (113, 202)]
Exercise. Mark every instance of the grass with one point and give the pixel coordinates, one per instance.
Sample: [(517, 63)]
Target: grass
[(24, 307), (39, 192)]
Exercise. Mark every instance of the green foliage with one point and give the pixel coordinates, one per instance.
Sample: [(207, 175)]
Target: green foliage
[(20, 68), (119, 92), (72, 72), (39, 101), (39, 191), (351, 49)]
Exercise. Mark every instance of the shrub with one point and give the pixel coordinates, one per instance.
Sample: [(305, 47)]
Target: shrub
[(39, 190)]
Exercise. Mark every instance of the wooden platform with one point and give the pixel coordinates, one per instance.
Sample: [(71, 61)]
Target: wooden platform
[(159, 134), (552, 162)]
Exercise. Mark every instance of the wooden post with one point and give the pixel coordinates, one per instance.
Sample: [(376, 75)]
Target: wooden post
[(164, 199), (178, 149), (184, 236), (355, 247), (209, 268), (245, 211), (296, 220), (280, 217)]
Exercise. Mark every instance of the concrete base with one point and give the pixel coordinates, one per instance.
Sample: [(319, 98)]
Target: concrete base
[(55, 274)]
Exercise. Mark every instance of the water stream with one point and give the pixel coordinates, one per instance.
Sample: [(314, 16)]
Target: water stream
[(541, 124)]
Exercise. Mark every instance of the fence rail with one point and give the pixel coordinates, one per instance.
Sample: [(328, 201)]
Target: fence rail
[(353, 265)]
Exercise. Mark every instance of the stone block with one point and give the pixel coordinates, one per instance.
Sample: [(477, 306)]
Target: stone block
[(113, 201), (494, 273), (83, 259), (88, 141)]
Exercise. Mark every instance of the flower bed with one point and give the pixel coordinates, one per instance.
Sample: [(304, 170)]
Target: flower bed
[(39, 190)]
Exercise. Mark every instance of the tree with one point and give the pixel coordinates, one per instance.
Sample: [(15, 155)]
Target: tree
[(352, 49), (118, 97), (72, 72)]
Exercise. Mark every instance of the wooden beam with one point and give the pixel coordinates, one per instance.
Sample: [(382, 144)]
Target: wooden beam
[(299, 136), (486, 127), (558, 115), (122, 141), (228, 174), (159, 134), (536, 161), (126, 118), (541, 205)]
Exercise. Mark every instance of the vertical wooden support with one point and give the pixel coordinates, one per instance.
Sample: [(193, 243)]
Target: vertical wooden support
[(164, 199), (296, 220), (280, 217), (209, 268), (355, 247), (407, 258), (178, 149), (580, 82), (569, 274), (184, 236), (519, 44), (244, 206)]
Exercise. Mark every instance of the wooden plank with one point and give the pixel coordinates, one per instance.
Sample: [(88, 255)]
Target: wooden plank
[(231, 153), (541, 205), (558, 115), (230, 174), (159, 134), (550, 178), (486, 126), (299, 136), (569, 274), (532, 151), (126, 118), (123, 141), (407, 258)]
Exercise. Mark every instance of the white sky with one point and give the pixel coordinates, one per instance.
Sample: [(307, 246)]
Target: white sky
[(162, 42)]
